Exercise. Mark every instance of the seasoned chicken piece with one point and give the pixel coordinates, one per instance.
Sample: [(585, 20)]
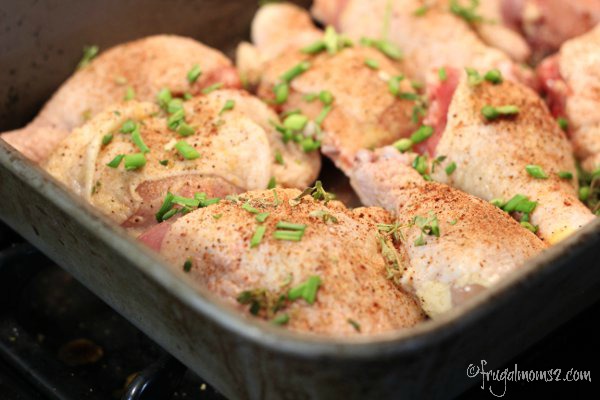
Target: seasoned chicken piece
[(361, 111), (494, 30), (316, 266), (501, 156), (449, 245), (140, 69), (233, 149), (549, 23), (571, 81), (430, 39)]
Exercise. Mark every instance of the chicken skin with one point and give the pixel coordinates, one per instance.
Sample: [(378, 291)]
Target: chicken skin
[(450, 245), (499, 156), (230, 148), (570, 80), (333, 249), (429, 39), (547, 24), (497, 32), (361, 111), (138, 69)]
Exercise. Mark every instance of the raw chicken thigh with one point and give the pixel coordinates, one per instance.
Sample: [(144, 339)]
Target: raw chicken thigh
[(138, 69), (311, 264), (223, 145)]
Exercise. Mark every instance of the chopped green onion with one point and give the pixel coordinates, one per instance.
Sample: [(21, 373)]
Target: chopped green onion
[(295, 71), (416, 85), (186, 201), (261, 217), (409, 96), (204, 201), (136, 137), (246, 206), (394, 84), (317, 192), (217, 216), (420, 164), (187, 96), (420, 135), (89, 53), (279, 158), (212, 88), (494, 76), (134, 161), (185, 130), (498, 203), (420, 241), (272, 183), (563, 123), (166, 206), (228, 106), (164, 162), (309, 144), (282, 91), (106, 139), (565, 175), (194, 73), (164, 98), (354, 324), (114, 163), (469, 14), (281, 319), (257, 236), (170, 214), (174, 105), (421, 11), (442, 74), (428, 225), (310, 97), (187, 265), (294, 236), (295, 122), (129, 94), (389, 49), (584, 193), (536, 171), (290, 226), (491, 113), (450, 168), (128, 126), (326, 97), (313, 48), (323, 114), (175, 119), (330, 38), (306, 290), (473, 77), (529, 226), (520, 203), (371, 63), (186, 150), (403, 145)]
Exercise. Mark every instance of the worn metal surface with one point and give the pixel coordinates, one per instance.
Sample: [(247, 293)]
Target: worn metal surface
[(242, 357)]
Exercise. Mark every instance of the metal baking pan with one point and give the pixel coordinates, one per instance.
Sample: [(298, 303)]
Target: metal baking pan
[(242, 357)]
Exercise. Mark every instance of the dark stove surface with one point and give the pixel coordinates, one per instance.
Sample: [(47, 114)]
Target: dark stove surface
[(59, 341)]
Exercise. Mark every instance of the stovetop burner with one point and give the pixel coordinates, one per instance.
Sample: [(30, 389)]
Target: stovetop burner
[(59, 341)]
